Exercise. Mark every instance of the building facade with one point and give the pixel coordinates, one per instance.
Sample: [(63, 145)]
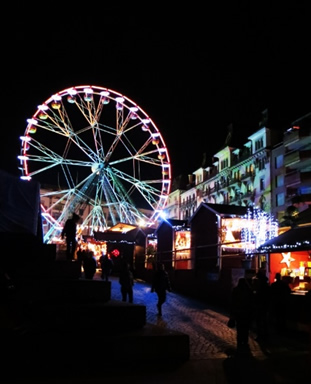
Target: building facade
[(271, 171)]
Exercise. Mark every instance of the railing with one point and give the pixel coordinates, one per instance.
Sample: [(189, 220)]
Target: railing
[(189, 255)]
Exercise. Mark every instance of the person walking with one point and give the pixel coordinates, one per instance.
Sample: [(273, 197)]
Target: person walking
[(160, 285), (70, 231), (241, 312), (126, 280)]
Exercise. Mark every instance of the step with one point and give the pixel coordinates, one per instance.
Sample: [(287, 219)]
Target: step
[(73, 316), (91, 350)]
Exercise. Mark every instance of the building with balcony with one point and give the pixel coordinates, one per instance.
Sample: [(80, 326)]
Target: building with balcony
[(291, 169), (237, 176), (272, 171)]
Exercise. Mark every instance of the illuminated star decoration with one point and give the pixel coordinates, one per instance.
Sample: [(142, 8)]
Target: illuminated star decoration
[(287, 258)]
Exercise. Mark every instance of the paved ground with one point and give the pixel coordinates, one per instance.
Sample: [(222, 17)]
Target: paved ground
[(213, 358)]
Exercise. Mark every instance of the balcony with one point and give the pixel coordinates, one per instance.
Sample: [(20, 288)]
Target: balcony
[(300, 159), (235, 182), (297, 138), (209, 191), (224, 184), (295, 178), (247, 175)]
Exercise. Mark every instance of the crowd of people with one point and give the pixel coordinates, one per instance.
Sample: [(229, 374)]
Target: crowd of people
[(257, 305)]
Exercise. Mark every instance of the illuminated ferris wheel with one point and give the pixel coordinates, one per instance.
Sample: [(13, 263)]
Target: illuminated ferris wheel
[(101, 156)]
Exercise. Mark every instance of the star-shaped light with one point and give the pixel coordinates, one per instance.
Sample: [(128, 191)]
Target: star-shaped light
[(287, 258)]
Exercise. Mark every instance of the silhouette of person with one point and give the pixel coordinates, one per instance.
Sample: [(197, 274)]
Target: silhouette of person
[(241, 310), (280, 291), (89, 265), (126, 280), (261, 289), (160, 285), (106, 266), (69, 231)]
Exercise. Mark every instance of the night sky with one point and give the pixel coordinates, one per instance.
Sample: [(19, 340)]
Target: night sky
[(193, 69)]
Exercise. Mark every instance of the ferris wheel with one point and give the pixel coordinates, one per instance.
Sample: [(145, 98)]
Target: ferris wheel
[(96, 153)]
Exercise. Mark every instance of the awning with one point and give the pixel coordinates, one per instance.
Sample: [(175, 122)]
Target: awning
[(295, 239)]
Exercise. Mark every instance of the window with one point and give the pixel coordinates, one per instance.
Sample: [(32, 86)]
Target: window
[(226, 198), (258, 144), (278, 161), (279, 181), (261, 163), (237, 175), (198, 179), (280, 199), (262, 184), (224, 164)]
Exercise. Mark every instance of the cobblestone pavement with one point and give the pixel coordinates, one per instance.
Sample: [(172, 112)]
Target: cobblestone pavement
[(209, 335), (206, 327)]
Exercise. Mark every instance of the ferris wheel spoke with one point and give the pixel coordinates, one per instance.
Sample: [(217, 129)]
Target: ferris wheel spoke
[(112, 202), (92, 114), (123, 126), (54, 118), (86, 149), (120, 198), (87, 106), (147, 188), (58, 161), (119, 130)]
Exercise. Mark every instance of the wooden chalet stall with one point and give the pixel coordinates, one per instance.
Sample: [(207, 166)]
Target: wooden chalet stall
[(216, 248), (290, 255), (290, 252), (173, 244), (216, 236), (125, 241), (205, 255)]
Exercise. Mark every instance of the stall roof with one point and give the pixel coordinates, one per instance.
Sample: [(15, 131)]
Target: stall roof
[(295, 239), (223, 209), (122, 228), (304, 217), (174, 223), (117, 234)]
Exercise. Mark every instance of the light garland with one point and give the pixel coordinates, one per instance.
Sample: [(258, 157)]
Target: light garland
[(298, 245), (260, 228)]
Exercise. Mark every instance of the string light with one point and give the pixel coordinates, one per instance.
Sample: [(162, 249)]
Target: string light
[(297, 245), (260, 228)]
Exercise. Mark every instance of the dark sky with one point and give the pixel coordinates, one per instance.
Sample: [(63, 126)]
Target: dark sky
[(193, 69)]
